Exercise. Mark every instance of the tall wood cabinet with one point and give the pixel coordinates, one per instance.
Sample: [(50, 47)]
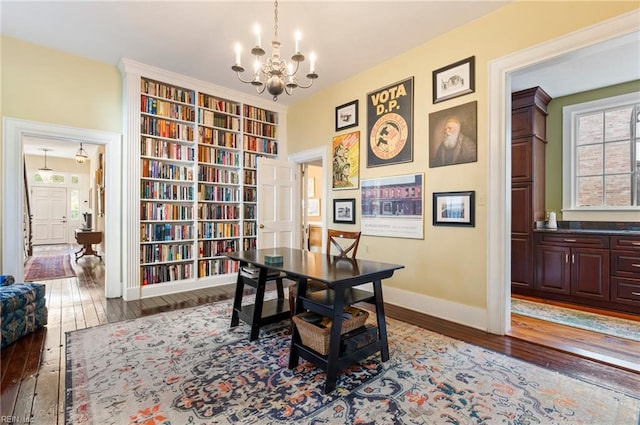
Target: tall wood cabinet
[(190, 178), (528, 141)]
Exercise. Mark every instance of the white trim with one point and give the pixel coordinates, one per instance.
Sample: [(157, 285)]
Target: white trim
[(14, 131), (498, 157), (312, 155)]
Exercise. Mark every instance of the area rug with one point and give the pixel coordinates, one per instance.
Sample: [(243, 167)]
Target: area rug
[(48, 267), (621, 328), (188, 367)]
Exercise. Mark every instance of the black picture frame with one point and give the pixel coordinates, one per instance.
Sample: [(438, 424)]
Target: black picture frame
[(344, 211), (454, 208), (347, 115), (454, 80)]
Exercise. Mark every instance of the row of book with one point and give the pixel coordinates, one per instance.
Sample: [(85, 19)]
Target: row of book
[(216, 248), (249, 243), (214, 136), (217, 193), (218, 212), (150, 275), (216, 267), (214, 119), (258, 144), (249, 228), (250, 177), (250, 194), (260, 129), (165, 191), (163, 253), (161, 211), (155, 169), (218, 156), (217, 230), (159, 148), (154, 126), (176, 111), (250, 212), (165, 232), (211, 102), (154, 88), (207, 174), (260, 114)]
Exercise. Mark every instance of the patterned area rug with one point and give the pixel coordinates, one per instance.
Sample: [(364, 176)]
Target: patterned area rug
[(188, 367), (48, 267), (622, 328)]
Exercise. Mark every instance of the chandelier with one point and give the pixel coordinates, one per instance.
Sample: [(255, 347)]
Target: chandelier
[(278, 75), (81, 155), (45, 172)]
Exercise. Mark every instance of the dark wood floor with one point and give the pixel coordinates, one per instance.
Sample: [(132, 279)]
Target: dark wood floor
[(33, 368)]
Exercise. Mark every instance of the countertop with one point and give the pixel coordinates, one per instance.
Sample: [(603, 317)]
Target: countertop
[(627, 232)]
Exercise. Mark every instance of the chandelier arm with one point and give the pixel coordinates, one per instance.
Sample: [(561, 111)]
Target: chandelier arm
[(244, 81), (260, 89), (306, 87)]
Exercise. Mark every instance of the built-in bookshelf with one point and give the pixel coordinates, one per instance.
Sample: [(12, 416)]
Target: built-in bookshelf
[(260, 133), (190, 179)]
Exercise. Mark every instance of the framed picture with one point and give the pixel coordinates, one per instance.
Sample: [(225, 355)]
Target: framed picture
[(453, 135), (347, 115), (392, 206), (390, 124), (313, 206), (344, 211), (454, 209), (454, 80), (346, 161)]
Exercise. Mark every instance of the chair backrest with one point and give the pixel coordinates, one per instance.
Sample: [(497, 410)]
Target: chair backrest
[(346, 243)]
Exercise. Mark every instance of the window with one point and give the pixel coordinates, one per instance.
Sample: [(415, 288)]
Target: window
[(601, 158)]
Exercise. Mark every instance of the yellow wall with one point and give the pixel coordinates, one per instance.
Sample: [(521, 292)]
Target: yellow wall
[(46, 85), (450, 263)]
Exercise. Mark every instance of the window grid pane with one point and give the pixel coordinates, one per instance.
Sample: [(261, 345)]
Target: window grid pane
[(590, 191), (617, 191)]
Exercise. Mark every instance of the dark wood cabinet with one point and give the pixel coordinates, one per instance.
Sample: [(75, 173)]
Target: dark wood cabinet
[(528, 140), (625, 272)]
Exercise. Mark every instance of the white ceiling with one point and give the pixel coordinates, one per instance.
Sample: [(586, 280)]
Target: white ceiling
[(197, 38)]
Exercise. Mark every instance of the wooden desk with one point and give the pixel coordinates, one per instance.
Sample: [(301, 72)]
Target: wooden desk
[(341, 276), (87, 238)]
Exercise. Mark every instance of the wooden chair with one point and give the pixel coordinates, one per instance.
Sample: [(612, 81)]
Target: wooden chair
[(345, 244)]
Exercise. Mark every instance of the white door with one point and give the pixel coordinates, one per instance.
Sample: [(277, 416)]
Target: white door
[(278, 204), (49, 215)]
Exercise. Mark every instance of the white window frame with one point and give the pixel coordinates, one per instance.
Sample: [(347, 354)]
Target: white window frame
[(571, 212)]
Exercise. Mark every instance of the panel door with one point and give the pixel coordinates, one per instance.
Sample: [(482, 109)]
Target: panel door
[(278, 204), (49, 215), (590, 273), (553, 269)]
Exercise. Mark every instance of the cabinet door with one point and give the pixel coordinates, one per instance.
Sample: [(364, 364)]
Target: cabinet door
[(521, 263), (590, 273), (553, 270)]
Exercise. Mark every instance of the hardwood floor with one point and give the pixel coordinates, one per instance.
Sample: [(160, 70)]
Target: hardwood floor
[(33, 368)]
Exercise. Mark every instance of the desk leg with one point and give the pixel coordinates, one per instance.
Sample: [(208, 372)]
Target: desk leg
[(294, 357), (237, 301), (334, 342), (382, 324), (257, 307)]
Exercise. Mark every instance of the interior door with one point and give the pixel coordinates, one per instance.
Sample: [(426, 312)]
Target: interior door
[(278, 204), (49, 215)]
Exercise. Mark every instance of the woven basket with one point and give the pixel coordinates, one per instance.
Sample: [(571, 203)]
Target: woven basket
[(317, 338)]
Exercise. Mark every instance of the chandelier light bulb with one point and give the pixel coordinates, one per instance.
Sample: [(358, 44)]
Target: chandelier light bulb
[(312, 63), (256, 32), (298, 38), (238, 54)]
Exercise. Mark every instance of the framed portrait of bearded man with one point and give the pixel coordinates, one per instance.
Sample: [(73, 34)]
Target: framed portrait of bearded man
[(453, 135)]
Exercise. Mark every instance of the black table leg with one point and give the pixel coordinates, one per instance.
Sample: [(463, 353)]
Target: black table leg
[(301, 289), (334, 341), (257, 307), (237, 301), (382, 324)]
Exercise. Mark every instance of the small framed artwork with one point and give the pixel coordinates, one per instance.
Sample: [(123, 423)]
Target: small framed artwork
[(344, 211), (313, 207), (347, 115), (454, 80), (454, 209)]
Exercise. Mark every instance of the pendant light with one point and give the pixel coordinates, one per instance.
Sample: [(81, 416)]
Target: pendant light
[(81, 155), (45, 172)]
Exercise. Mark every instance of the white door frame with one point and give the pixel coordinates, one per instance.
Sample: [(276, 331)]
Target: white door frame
[(499, 153), (313, 155), (14, 130)]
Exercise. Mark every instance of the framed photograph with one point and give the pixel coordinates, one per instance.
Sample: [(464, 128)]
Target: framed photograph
[(347, 115), (346, 161), (454, 209), (392, 206), (344, 211), (453, 135), (454, 80)]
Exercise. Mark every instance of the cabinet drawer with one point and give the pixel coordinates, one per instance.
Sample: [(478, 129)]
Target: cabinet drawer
[(628, 243), (571, 240), (625, 264), (626, 291)]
